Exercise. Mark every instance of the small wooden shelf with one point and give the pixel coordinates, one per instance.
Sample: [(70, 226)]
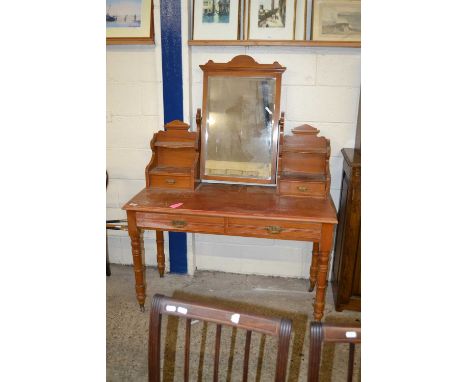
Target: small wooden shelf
[(171, 170), (303, 163), (301, 176), (174, 163), (343, 44), (304, 150), (176, 145)]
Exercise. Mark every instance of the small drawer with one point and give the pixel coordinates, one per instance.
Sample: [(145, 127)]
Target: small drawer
[(171, 181), (273, 229), (302, 188), (180, 222)]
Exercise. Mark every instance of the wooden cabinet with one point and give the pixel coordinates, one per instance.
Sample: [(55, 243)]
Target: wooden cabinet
[(347, 260), (303, 163), (174, 164)]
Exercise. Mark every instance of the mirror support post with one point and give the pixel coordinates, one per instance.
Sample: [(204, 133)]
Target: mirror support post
[(199, 120)]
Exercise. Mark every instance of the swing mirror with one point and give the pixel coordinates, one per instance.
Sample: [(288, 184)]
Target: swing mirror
[(239, 134)]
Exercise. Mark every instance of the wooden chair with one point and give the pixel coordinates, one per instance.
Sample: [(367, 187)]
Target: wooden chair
[(280, 328), (331, 333)]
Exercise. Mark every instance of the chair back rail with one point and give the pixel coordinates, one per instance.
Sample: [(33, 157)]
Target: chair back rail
[(280, 328), (331, 333)]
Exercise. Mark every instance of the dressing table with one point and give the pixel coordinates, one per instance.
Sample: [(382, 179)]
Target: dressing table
[(238, 174)]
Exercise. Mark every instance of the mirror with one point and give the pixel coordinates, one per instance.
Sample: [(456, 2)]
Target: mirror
[(240, 121), (239, 127)]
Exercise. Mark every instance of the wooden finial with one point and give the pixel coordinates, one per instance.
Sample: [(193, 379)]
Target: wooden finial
[(176, 125), (305, 130)]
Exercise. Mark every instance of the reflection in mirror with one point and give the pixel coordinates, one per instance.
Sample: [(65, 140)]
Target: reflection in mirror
[(239, 127)]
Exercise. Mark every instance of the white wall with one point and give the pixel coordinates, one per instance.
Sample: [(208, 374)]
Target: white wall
[(320, 87), (134, 113)]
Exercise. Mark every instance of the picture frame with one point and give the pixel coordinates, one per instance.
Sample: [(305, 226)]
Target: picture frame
[(300, 26), (265, 23), (129, 22), (216, 19), (334, 20)]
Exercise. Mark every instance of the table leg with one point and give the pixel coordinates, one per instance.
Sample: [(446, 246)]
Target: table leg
[(138, 267), (324, 256), (314, 266), (161, 257)]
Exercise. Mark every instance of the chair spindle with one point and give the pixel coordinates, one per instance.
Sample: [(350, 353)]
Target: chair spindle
[(216, 359), (351, 362), (188, 326), (248, 335)]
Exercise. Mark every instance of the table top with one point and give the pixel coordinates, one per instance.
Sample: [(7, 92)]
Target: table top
[(234, 201)]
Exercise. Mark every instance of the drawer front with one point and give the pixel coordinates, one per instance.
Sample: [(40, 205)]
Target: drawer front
[(273, 229), (171, 181), (179, 222), (302, 188)]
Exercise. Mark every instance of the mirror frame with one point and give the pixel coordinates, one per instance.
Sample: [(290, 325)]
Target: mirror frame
[(241, 66)]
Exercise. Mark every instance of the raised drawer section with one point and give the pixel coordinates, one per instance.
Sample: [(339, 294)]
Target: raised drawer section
[(298, 188), (273, 229), (171, 181), (179, 222)]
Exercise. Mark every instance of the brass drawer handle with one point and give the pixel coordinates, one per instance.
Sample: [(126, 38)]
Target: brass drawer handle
[(302, 188), (179, 223), (274, 229), (170, 181)]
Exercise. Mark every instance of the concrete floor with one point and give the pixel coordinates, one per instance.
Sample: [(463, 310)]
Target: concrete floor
[(127, 327)]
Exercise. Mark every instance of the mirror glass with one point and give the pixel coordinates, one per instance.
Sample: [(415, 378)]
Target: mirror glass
[(239, 134)]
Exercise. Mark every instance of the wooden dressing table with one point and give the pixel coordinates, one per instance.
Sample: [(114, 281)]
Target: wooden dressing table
[(295, 206), (235, 210)]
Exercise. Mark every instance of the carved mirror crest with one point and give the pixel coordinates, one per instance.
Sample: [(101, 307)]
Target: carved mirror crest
[(241, 110)]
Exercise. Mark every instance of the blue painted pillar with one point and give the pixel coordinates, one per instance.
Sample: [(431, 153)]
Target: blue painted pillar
[(171, 47)]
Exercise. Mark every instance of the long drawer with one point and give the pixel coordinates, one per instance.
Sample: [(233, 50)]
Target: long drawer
[(180, 222), (273, 229)]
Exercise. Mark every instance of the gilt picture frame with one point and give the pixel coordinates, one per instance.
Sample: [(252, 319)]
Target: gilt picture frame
[(300, 26), (129, 22), (271, 19), (216, 19), (336, 20)]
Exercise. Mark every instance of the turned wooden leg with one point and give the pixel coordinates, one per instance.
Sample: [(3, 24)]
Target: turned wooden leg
[(138, 267), (323, 259), (314, 266), (160, 253)]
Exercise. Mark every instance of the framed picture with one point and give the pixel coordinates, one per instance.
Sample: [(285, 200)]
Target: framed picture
[(336, 20), (215, 19), (129, 22), (271, 19), (301, 20)]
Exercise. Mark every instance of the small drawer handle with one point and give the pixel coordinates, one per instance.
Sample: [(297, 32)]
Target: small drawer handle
[(274, 229), (302, 188), (179, 223), (170, 181)]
